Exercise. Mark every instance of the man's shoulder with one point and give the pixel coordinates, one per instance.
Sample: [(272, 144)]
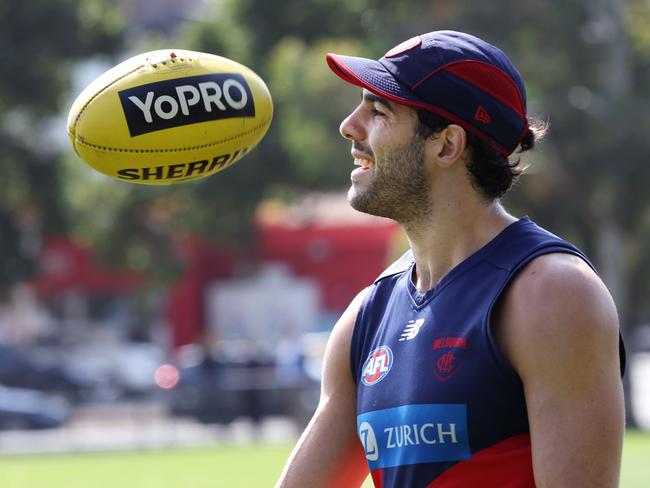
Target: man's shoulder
[(553, 282), (555, 273), (555, 301)]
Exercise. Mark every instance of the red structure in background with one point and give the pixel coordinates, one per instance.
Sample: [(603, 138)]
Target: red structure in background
[(341, 252), (342, 259), (66, 266), (203, 263)]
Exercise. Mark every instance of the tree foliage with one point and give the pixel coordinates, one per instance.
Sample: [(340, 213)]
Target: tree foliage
[(41, 39), (586, 69), (585, 64)]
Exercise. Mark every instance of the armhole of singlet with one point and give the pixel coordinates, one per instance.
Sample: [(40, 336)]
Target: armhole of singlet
[(358, 335), (356, 344), (503, 364)]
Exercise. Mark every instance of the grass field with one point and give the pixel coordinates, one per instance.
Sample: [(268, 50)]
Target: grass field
[(635, 472), (231, 467)]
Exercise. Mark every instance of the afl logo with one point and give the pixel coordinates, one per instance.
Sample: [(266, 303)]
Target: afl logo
[(377, 365)]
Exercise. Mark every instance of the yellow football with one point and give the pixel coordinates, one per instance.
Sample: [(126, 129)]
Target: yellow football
[(169, 116)]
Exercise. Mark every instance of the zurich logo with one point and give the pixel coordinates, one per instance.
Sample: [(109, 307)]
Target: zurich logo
[(377, 366), (369, 441), (414, 434)]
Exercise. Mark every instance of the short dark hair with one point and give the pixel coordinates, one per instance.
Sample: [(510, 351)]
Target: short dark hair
[(493, 174)]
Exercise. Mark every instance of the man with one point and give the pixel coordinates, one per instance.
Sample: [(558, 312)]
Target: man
[(488, 355)]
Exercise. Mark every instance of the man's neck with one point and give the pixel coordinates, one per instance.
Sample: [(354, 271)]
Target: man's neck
[(450, 235)]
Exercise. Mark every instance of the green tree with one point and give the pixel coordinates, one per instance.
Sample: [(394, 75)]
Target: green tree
[(585, 64), (42, 39), (586, 70)]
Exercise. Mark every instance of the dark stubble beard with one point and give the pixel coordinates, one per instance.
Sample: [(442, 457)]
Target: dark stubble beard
[(399, 189)]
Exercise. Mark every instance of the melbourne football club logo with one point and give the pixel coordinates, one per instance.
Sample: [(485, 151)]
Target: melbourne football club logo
[(377, 366), (446, 351)]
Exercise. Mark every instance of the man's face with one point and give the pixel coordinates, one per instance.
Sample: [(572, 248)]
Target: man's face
[(392, 178)]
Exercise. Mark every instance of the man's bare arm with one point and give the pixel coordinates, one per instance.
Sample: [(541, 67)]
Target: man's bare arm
[(559, 328), (329, 452)]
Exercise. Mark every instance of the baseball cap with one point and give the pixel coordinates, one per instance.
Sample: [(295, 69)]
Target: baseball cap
[(452, 74)]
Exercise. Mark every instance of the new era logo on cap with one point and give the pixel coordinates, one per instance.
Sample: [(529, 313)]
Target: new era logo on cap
[(482, 116)]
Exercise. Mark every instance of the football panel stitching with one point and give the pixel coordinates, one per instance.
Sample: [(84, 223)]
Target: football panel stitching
[(99, 92), (180, 149)]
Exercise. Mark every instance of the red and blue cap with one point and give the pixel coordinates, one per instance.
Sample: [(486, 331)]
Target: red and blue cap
[(452, 74)]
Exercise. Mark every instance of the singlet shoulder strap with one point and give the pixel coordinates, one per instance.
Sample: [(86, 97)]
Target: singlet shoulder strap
[(399, 266), (526, 241)]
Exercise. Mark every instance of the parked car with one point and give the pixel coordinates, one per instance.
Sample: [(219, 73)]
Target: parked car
[(29, 409), (121, 370), (22, 368), (214, 390)]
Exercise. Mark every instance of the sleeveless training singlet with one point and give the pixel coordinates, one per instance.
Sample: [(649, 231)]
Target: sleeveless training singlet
[(437, 403)]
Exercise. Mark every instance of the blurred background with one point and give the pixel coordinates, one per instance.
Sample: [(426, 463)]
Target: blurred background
[(139, 318)]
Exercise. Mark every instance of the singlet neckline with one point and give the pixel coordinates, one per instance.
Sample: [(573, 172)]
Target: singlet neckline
[(420, 299)]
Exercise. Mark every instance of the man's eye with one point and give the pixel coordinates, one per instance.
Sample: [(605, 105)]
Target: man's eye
[(377, 112)]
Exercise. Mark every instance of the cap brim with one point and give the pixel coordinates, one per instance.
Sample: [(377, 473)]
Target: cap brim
[(372, 75)]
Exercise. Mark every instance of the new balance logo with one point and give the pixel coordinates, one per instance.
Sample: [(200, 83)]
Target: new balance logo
[(411, 330), (482, 116)]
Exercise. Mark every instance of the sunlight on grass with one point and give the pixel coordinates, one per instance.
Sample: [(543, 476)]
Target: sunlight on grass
[(224, 466)]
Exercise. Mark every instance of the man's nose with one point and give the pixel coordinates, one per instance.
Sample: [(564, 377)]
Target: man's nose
[(351, 128)]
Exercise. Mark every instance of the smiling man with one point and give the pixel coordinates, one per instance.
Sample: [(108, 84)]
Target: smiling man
[(488, 355)]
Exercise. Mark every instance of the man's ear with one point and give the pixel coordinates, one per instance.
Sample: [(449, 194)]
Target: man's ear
[(449, 144)]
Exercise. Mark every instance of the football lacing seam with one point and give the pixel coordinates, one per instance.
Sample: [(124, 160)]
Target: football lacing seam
[(81, 111), (180, 149)]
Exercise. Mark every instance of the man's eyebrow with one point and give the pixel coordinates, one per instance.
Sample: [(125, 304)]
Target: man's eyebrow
[(372, 98)]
